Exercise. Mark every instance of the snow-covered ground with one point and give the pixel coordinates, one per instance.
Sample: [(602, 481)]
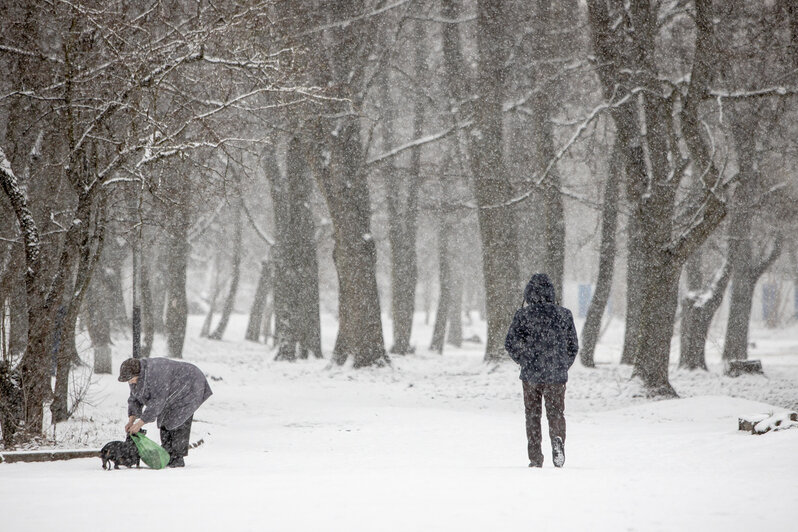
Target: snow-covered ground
[(431, 443)]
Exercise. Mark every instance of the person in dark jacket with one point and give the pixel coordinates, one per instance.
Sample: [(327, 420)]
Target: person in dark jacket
[(168, 392), (542, 340)]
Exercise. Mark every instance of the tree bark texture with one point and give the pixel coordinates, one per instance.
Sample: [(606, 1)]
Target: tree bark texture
[(344, 186), (13, 286), (230, 300), (698, 308), (543, 107), (147, 306), (256, 313), (83, 246), (601, 295), (98, 324), (298, 329), (746, 269), (177, 252), (102, 306), (216, 288), (491, 185), (338, 164), (403, 210), (34, 367), (444, 286), (454, 334), (745, 274)]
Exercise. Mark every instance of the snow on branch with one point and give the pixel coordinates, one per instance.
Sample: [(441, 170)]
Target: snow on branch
[(19, 202), (444, 20), (760, 93), (417, 142), (347, 22), (36, 55)]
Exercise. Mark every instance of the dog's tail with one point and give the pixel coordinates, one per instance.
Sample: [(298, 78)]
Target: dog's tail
[(196, 444)]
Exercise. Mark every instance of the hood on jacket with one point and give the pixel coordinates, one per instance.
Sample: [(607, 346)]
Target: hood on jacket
[(539, 290)]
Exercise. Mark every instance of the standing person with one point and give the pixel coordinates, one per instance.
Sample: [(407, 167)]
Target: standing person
[(542, 339), (166, 391)]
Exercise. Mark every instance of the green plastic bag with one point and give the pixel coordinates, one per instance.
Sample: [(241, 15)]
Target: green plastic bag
[(151, 453)]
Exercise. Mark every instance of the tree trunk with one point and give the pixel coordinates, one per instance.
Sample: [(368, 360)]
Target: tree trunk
[(690, 356), (116, 253), (698, 309), (658, 314), (742, 296), (78, 244), (609, 222), (148, 310), (18, 319), (491, 186), (307, 319), (229, 302), (296, 265), (746, 270), (542, 105), (454, 335), (744, 278), (444, 287), (256, 320), (98, 324), (216, 288), (403, 214), (268, 313), (158, 290), (177, 252), (34, 368)]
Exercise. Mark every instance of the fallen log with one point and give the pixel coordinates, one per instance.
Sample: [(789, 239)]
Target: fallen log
[(48, 455), (762, 423)]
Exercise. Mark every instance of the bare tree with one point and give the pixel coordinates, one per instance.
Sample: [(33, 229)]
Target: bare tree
[(107, 92), (338, 162)]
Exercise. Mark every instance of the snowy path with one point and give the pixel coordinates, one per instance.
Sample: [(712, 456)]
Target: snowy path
[(429, 445)]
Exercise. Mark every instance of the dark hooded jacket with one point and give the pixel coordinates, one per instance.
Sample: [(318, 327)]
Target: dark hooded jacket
[(542, 337), (168, 391)]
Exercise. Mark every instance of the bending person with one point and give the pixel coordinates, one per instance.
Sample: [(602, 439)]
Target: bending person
[(168, 392)]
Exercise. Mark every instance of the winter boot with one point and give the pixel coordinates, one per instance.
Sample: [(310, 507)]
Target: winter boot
[(558, 451)]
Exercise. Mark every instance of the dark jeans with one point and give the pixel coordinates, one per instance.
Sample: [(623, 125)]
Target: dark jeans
[(175, 441), (534, 394)]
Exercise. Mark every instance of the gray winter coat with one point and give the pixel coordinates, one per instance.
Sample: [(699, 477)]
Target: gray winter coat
[(167, 390)]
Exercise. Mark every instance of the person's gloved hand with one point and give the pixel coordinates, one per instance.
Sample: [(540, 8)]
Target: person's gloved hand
[(135, 427), (130, 422)]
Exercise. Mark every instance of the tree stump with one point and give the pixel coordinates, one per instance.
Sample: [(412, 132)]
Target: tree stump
[(735, 368)]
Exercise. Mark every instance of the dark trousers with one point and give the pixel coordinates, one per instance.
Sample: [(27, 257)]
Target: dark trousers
[(175, 441), (534, 394)]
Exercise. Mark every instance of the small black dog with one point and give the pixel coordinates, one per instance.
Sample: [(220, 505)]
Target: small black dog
[(120, 453)]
